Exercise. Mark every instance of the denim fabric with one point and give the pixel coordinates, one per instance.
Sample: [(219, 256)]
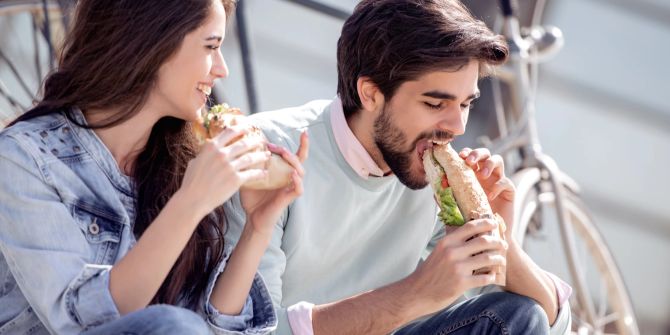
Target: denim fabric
[(491, 313), (66, 215), (155, 320)]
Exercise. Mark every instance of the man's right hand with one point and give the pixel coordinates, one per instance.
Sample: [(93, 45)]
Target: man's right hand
[(448, 271)]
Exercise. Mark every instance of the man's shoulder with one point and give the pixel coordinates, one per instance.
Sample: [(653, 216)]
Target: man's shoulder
[(283, 126), (294, 117)]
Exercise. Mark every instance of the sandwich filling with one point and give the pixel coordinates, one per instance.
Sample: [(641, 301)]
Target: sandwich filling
[(449, 213)]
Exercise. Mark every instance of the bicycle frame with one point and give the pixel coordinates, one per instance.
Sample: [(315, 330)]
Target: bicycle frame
[(524, 138)]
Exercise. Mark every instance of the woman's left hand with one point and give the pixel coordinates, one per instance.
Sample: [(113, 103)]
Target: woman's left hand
[(490, 171), (263, 207)]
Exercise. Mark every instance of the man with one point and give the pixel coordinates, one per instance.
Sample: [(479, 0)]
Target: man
[(360, 252)]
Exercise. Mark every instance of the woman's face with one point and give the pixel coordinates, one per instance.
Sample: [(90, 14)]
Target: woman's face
[(186, 79)]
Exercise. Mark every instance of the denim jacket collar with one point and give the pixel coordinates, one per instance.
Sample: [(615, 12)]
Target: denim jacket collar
[(105, 159)]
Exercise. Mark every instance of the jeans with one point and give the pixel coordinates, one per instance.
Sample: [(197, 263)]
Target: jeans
[(491, 313), (155, 320)]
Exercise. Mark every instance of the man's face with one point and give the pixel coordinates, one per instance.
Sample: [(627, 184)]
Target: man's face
[(432, 108)]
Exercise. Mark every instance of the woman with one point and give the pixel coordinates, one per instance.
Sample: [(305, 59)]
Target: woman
[(109, 220)]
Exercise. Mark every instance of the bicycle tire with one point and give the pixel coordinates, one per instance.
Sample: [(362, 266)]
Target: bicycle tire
[(528, 200)]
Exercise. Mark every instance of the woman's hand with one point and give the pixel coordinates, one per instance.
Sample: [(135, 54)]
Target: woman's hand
[(222, 166), (490, 172), (264, 207)]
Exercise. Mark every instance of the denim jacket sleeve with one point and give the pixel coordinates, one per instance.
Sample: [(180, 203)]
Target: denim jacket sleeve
[(45, 249), (257, 316)]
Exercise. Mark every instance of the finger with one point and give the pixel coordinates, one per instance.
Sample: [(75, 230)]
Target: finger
[(465, 152), (476, 156), (493, 166), (288, 157), (230, 135), (482, 243), (243, 146), (472, 228), (304, 147), (486, 260), (250, 159), (252, 175), (503, 186), (297, 187)]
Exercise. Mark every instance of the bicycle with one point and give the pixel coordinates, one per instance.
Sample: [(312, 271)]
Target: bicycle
[(543, 190), (46, 20)]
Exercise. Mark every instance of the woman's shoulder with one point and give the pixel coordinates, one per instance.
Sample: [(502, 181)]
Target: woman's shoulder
[(31, 137)]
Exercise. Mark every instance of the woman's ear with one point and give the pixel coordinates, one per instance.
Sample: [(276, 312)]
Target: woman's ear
[(372, 100)]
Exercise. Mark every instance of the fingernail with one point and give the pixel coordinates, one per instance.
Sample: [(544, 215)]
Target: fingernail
[(272, 145), (471, 159), (485, 172)]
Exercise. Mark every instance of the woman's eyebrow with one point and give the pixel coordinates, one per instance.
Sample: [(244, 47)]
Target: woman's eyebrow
[(214, 37)]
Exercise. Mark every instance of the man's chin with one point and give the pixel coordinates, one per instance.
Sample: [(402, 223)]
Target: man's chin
[(413, 181)]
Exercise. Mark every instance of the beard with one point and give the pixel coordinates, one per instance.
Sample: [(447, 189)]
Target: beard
[(391, 141)]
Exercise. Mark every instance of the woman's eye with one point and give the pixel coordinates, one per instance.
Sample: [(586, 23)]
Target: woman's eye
[(212, 47), (438, 106)]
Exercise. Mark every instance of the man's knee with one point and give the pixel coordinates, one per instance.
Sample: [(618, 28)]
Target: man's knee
[(521, 314), (178, 320)]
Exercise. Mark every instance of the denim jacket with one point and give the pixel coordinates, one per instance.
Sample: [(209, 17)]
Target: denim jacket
[(66, 216)]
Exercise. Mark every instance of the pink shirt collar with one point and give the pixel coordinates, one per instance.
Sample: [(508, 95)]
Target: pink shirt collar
[(353, 151)]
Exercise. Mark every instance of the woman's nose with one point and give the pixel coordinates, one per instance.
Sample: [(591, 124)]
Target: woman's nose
[(220, 68)]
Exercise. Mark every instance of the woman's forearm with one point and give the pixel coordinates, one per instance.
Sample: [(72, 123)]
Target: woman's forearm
[(136, 278), (232, 287), (526, 278)]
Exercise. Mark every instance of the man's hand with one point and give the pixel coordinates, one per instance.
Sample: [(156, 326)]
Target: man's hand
[(490, 171), (448, 272)]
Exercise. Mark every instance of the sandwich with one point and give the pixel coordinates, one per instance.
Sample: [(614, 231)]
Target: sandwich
[(457, 191), (219, 117)]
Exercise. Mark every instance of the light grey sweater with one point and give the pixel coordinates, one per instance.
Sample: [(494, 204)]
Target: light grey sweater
[(345, 234)]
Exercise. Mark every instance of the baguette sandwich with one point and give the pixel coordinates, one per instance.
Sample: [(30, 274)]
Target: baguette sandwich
[(458, 193)]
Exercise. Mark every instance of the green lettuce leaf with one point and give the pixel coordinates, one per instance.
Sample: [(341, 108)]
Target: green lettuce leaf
[(449, 212)]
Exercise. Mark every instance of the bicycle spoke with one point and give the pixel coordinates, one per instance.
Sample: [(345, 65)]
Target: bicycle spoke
[(36, 49), (16, 74)]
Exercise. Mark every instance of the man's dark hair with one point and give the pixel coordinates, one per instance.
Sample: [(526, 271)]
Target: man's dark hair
[(394, 41)]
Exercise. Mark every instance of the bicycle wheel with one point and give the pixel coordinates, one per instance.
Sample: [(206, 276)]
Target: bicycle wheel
[(537, 231)]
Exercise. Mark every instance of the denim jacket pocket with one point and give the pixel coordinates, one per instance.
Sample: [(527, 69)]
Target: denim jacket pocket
[(101, 229)]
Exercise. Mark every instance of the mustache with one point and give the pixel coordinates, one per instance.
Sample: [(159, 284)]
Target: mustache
[(442, 135)]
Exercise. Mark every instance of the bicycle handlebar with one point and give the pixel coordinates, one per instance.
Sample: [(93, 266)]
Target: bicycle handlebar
[(509, 7)]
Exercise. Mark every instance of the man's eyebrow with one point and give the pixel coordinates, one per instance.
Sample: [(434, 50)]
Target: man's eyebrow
[(448, 96), (214, 37)]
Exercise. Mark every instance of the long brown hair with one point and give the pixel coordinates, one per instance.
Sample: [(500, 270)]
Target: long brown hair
[(111, 58), (394, 41)]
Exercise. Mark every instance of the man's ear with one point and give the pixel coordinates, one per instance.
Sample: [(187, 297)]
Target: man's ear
[(372, 99)]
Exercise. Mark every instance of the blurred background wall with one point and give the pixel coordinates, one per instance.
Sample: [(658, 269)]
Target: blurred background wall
[(603, 110)]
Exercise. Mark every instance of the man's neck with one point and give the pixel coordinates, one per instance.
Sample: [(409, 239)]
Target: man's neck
[(363, 128)]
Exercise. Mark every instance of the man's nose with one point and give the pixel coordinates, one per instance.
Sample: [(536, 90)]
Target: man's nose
[(453, 122)]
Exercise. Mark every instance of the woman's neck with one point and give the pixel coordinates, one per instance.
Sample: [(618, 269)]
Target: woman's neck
[(126, 140)]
